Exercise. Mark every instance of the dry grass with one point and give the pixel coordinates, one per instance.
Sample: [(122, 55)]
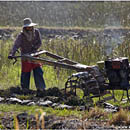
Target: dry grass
[(16, 123), (120, 118), (39, 120), (97, 113)]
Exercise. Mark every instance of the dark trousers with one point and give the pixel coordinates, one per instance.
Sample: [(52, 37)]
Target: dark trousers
[(38, 78)]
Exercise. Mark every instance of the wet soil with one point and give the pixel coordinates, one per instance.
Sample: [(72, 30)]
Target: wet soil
[(50, 122), (53, 97)]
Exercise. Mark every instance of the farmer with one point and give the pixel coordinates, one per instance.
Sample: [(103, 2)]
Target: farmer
[(29, 40)]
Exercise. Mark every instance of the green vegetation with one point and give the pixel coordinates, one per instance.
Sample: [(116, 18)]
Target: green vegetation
[(66, 13), (33, 109), (82, 51)]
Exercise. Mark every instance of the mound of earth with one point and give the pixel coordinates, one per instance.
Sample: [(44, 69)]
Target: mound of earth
[(54, 97)]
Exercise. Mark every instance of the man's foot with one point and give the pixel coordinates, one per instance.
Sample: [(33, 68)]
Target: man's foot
[(25, 91), (40, 93)]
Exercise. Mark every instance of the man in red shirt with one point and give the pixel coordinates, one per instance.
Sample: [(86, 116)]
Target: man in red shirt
[(29, 40)]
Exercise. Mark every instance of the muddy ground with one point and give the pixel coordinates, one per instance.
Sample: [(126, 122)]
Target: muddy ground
[(111, 34), (51, 122), (53, 97)]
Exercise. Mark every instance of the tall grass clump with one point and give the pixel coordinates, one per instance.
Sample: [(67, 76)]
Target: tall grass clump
[(79, 50), (123, 50), (120, 118), (9, 73), (97, 113)]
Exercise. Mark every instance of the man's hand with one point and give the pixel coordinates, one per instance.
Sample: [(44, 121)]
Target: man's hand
[(10, 57)]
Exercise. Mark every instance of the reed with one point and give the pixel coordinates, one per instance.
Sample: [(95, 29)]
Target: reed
[(16, 123), (40, 119)]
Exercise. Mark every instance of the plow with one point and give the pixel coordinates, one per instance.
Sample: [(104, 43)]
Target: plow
[(106, 80)]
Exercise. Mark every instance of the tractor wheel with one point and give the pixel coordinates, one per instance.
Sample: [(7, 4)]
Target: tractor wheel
[(84, 82)]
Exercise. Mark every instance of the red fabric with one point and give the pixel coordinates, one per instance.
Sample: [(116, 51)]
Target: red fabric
[(28, 66)]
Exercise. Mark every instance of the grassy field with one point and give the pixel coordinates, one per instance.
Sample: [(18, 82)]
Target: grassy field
[(76, 50)]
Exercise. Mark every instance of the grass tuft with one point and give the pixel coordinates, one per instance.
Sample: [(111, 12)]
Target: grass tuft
[(16, 123), (120, 118), (96, 113), (40, 119)]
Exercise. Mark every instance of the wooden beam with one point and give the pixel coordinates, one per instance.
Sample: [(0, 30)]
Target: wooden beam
[(77, 67), (57, 57)]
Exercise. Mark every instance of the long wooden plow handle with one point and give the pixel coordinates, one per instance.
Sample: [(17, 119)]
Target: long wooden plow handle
[(77, 67), (57, 57), (62, 62)]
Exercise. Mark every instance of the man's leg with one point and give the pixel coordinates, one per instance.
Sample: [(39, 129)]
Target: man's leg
[(38, 78), (25, 80)]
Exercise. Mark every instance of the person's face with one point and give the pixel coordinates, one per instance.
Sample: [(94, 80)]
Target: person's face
[(28, 28)]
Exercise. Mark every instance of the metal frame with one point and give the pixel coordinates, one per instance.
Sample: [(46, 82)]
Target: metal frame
[(69, 64)]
